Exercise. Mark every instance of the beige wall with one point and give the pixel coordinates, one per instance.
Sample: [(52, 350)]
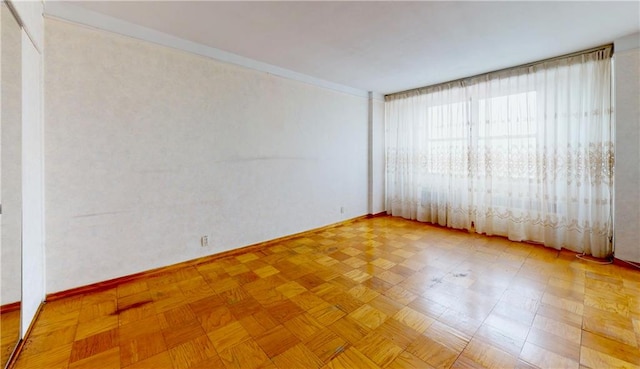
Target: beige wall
[(627, 167), (149, 148), (11, 157)]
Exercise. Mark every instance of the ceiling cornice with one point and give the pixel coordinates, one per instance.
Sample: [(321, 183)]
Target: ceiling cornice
[(76, 14)]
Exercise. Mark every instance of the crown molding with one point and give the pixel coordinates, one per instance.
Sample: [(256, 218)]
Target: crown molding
[(72, 13)]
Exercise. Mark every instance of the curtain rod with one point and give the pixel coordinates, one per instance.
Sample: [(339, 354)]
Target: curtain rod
[(526, 65)]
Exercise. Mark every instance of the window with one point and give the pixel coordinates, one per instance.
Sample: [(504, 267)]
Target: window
[(506, 136), (525, 153)]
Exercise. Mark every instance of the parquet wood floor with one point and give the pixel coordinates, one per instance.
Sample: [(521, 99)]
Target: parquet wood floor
[(9, 333), (377, 293)]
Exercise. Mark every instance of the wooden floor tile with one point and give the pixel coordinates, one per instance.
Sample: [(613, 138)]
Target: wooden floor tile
[(192, 352), (215, 317), (174, 336), (284, 310), (509, 327), (521, 364), (245, 355), (135, 312), (344, 301), (379, 349), (352, 358), (447, 335), (161, 360), (266, 271), (363, 293), (310, 281), (245, 307), (327, 315), (209, 363), (400, 295), (609, 347), (109, 359), (298, 356), (150, 325), (368, 316), (461, 322), (326, 344), (131, 288), (276, 341), (133, 300), (54, 358), (348, 329), (521, 310), (96, 326), (486, 356), (291, 289), (543, 358), (554, 343), (567, 304), (413, 319), (251, 325), (93, 345), (386, 305), (596, 359), (303, 326), (228, 336), (234, 295), (432, 352), (52, 322), (43, 342), (141, 347), (560, 329), (407, 360), (100, 309), (560, 315), (428, 307), (398, 333), (376, 293), (610, 325)]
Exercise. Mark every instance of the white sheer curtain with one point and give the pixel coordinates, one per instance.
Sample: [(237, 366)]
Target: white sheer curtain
[(525, 153), (427, 164)]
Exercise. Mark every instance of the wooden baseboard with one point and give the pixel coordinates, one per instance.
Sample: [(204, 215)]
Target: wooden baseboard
[(377, 215), (101, 286), (626, 264), (10, 307)]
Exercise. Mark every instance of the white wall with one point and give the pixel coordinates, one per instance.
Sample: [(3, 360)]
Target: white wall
[(11, 147), (627, 166), (378, 156), (149, 148), (32, 209), (33, 268), (30, 13)]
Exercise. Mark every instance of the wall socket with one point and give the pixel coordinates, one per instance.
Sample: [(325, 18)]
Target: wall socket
[(204, 241)]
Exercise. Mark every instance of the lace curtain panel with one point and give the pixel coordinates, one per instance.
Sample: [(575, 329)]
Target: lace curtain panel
[(525, 153)]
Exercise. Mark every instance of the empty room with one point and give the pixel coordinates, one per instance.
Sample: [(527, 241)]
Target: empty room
[(320, 184)]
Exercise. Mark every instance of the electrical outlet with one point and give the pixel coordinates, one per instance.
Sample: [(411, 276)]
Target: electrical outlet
[(204, 241)]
